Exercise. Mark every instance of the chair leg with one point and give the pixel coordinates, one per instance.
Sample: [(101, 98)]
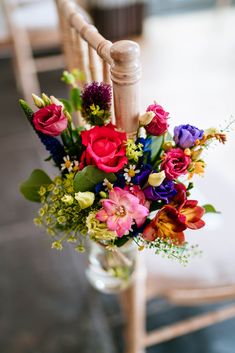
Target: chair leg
[(133, 301)]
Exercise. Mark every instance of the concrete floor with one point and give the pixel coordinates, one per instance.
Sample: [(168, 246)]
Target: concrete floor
[(46, 304)]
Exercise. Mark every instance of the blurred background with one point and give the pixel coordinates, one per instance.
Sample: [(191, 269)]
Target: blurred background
[(188, 61)]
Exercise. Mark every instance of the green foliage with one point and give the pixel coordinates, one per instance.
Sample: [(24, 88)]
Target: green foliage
[(61, 215), (71, 78), (86, 179), (210, 209), (156, 145), (67, 105), (30, 188), (27, 110), (121, 241), (75, 98), (167, 249)]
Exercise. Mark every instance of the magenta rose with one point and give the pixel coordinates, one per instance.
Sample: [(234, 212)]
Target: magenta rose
[(158, 125), (105, 148), (175, 163), (50, 120)]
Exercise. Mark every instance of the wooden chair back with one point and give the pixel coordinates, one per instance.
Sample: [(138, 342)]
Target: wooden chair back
[(101, 60)]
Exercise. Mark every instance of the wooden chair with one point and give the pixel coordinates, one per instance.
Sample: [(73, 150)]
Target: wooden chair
[(119, 64)]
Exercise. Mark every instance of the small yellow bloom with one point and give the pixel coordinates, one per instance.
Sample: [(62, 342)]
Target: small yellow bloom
[(156, 179), (42, 190), (68, 199), (98, 230), (196, 168), (85, 199), (167, 145)]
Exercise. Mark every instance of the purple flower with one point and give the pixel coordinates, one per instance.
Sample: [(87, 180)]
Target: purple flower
[(186, 135), (165, 192), (142, 177), (96, 103)]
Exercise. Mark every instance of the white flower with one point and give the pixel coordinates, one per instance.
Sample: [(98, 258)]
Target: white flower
[(85, 199), (130, 172), (67, 164)]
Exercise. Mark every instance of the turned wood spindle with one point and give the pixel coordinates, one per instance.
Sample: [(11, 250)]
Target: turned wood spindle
[(125, 75)]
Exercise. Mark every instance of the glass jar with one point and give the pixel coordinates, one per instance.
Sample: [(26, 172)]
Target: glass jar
[(110, 270)]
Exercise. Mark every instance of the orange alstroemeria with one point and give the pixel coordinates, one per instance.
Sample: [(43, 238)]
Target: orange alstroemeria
[(193, 214), (170, 222)]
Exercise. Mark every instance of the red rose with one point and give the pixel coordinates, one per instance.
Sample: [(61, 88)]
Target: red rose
[(158, 125), (175, 163), (104, 148), (50, 120)]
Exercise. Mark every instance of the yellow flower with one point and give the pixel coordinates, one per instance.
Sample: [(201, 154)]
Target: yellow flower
[(155, 179), (98, 230), (85, 199), (197, 167), (68, 199)]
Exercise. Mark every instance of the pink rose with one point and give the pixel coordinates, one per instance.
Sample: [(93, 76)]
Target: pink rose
[(158, 125), (175, 163), (105, 148), (50, 120)]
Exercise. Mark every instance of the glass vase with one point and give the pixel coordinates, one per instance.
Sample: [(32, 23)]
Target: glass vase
[(110, 270)]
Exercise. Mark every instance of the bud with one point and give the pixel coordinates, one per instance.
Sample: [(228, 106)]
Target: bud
[(167, 145), (155, 179), (187, 152), (38, 101), (68, 199), (146, 118), (85, 199), (68, 116), (46, 99), (142, 133), (103, 194), (56, 101)]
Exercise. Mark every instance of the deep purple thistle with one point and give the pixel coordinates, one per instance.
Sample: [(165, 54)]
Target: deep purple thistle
[(99, 94)]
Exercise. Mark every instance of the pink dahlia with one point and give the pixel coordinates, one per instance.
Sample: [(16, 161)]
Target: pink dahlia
[(121, 210)]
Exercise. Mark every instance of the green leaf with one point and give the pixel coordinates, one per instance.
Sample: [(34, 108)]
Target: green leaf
[(75, 98), (86, 179), (121, 241), (156, 145), (27, 110), (31, 186), (210, 209), (67, 105)]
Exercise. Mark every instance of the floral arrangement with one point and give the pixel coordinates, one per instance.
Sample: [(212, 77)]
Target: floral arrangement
[(112, 187)]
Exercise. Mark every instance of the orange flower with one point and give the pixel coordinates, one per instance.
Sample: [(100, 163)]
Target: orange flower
[(170, 222), (193, 214)]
